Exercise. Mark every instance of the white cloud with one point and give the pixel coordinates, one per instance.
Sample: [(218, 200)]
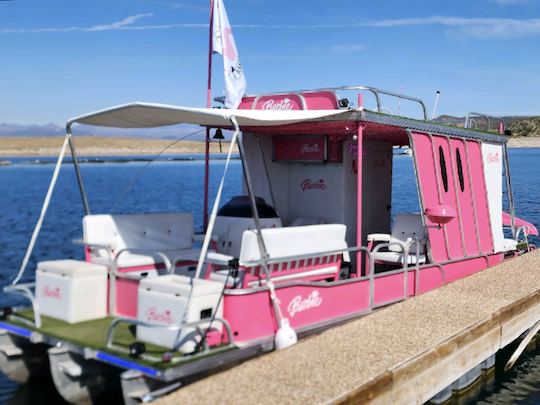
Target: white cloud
[(478, 28), (126, 23), (119, 24)]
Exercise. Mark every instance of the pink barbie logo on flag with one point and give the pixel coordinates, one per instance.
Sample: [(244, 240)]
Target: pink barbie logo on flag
[(223, 43)]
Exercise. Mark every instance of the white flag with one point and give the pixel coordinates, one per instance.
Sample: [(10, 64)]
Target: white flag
[(223, 43)]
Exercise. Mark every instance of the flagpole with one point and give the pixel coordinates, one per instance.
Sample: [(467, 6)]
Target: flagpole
[(208, 105)]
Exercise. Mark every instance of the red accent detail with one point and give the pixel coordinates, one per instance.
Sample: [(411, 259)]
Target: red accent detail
[(335, 150), (306, 149), (246, 103), (320, 100)]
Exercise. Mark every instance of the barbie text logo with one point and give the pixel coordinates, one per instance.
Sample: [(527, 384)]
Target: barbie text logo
[(153, 315), (493, 157), (307, 184), (51, 293), (284, 104), (310, 148), (299, 304)]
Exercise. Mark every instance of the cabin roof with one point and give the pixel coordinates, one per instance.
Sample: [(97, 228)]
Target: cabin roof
[(276, 122)]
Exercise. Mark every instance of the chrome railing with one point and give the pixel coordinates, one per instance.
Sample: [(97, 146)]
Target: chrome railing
[(470, 120), (373, 90), (198, 327)]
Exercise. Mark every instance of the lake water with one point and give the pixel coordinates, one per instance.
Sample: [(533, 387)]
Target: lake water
[(177, 186)]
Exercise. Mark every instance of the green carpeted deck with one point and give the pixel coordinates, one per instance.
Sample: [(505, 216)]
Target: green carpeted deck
[(93, 334)]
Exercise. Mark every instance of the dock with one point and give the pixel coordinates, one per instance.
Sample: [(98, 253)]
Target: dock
[(402, 354)]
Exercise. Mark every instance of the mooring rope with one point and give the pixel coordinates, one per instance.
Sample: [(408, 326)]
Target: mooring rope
[(140, 173)]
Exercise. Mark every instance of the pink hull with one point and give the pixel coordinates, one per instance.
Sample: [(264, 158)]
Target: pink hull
[(306, 306)]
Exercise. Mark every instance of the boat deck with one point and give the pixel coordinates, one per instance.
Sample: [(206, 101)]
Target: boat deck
[(405, 353), (93, 335)]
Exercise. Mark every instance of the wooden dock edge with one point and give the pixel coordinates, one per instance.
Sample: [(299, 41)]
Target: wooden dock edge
[(421, 377)]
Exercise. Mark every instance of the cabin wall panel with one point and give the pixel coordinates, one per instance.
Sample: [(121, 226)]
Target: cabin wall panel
[(492, 159), (480, 195), (316, 191), (428, 182), (468, 214), (448, 197)]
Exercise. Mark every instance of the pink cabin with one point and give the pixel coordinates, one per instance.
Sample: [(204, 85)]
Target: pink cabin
[(313, 240)]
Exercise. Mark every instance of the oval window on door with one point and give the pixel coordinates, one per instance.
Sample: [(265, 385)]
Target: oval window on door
[(444, 173), (460, 171)]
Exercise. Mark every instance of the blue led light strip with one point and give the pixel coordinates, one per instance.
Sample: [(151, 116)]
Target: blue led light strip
[(117, 361), (16, 329)]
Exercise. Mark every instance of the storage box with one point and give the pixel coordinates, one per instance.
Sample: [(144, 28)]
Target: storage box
[(163, 301), (71, 290)]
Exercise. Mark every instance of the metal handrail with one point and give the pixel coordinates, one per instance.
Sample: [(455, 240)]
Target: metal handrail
[(373, 90), (377, 92), (146, 252), (24, 290), (470, 119), (405, 262), (178, 328)]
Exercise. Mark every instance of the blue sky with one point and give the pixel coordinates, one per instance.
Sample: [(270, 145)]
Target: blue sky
[(62, 58)]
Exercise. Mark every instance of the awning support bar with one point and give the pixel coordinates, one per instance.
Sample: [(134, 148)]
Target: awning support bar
[(44, 208), (84, 197)]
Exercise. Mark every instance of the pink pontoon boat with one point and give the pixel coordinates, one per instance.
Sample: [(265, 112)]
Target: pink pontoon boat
[(311, 243)]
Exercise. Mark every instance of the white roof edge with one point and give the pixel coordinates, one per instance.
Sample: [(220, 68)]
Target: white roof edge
[(147, 115)]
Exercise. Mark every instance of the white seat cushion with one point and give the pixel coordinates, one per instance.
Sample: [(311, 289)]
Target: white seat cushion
[(169, 233), (72, 268), (292, 241), (397, 258), (407, 225)]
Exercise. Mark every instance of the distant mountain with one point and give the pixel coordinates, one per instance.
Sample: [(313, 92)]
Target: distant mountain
[(169, 132), (519, 125), (30, 130)]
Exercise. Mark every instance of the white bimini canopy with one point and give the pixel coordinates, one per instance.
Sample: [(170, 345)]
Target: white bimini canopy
[(147, 115)]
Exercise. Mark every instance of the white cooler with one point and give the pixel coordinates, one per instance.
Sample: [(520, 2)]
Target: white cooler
[(71, 290), (163, 300)]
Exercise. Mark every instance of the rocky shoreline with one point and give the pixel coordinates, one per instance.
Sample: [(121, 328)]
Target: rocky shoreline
[(108, 146)]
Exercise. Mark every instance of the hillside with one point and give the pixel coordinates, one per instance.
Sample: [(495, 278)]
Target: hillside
[(520, 126), (528, 127)]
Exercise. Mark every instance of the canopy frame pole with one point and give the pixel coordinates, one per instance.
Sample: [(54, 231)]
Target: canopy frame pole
[(84, 197), (213, 214), (260, 240), (208, 105)]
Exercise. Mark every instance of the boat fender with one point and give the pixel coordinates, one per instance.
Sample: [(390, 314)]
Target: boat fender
[(285, 335)]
